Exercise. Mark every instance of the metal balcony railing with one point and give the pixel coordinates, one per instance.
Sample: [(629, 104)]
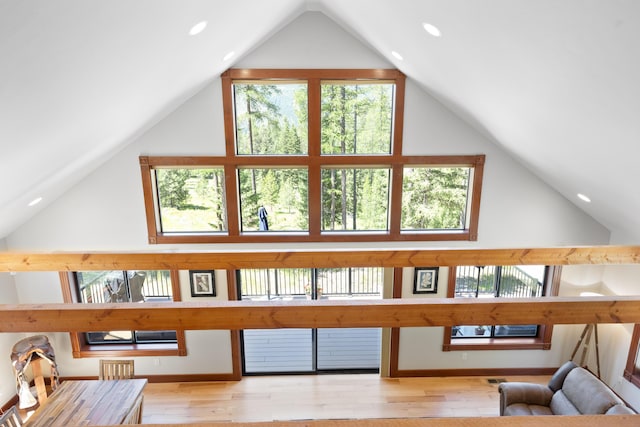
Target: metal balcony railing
[(338, 281)]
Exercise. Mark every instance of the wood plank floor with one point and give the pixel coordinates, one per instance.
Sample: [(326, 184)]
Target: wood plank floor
[(304, 397)]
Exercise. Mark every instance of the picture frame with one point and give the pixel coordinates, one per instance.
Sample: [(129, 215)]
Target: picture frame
[(425, 280), (203, 283)]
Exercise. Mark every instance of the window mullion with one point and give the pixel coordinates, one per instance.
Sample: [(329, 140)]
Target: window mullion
[(314, 149), (315, 200), (314, 119), (395, 204), (229, 126), (231, 199), (398, 120)]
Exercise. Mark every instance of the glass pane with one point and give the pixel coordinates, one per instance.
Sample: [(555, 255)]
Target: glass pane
[(434, 198), (150, 286), (276, 350), (274, 284), (109, 337), (346, 283), (516, 330), (274, 199), (517, 281), (138, 286), (470, 331), (522, 281), (155, 336), (191, 200), (356, 118), (271, 118), (355, 199), (102, 286)]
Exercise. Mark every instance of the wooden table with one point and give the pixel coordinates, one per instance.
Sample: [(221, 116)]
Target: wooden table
[(92, 402)]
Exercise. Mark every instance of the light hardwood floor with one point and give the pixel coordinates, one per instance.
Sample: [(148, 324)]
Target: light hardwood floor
[(304, 397)]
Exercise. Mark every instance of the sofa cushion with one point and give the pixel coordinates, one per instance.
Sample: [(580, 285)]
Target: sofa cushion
[(524, 409), (588, 394), (558, 377), (561, 405), (619, 410)]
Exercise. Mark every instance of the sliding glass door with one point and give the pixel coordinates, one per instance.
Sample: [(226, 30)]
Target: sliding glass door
[(310, 350)]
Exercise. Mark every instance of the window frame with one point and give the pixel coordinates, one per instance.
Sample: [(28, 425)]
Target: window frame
[(80, 348), (632, 374), (540, 342), (313, 161)]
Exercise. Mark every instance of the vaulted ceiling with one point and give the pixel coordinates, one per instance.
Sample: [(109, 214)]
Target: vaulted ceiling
[(554, 83)]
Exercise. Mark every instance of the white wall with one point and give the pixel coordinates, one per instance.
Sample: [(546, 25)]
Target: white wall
[(421, 348), (106, 210)]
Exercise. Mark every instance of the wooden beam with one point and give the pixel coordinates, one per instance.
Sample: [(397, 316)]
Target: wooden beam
[(232, 315), (74, 261)]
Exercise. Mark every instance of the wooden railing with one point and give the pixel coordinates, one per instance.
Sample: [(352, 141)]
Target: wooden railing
[(75, 261), (232, 315), (386, 313), (533, 421), (302, 314)]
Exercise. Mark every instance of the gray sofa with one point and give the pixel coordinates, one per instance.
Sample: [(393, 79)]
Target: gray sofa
[(571, 391)]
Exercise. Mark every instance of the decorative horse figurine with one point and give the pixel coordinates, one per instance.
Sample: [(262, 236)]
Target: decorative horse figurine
[(23, 352)]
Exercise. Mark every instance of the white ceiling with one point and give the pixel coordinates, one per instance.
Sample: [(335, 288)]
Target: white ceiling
[(553, 82)]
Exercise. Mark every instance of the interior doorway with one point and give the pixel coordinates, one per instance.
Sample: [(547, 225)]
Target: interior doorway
[(323, 350)]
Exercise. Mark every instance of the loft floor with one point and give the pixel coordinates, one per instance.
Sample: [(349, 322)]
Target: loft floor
[(304, 397)]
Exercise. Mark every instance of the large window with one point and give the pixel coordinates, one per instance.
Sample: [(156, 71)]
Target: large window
[(509, 281), (125, 286), (190, 199), (435, 198), (312, 155), (116, 286), (355, 199), (357, 117), (283, 192), (270, 117)]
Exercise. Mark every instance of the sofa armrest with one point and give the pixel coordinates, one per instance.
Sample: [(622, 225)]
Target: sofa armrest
[(529, 393)]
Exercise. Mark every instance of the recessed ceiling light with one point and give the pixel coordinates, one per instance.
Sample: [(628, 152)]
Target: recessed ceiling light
[(432, 29), (584, 198), (396, 55), (35, 201), (198, 28), (228, 56)]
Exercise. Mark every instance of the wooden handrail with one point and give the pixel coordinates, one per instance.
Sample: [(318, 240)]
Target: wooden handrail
[(302, 314), (532, 421), (231, 315), (82, 261)]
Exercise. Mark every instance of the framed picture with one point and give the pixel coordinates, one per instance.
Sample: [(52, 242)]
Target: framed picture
[(202, 283), (425, 280)]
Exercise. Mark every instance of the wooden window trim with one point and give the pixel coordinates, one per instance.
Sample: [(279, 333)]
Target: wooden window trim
[(313, 161), (80, 348), (541, 342), (631, 374)]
